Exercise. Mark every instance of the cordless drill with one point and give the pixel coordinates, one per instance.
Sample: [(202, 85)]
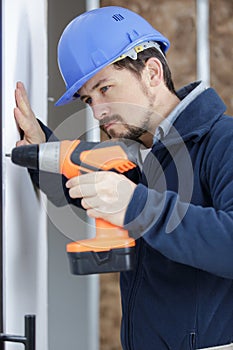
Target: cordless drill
[(112, 250)]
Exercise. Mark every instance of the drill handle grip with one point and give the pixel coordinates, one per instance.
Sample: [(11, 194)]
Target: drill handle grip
[(113, 236)]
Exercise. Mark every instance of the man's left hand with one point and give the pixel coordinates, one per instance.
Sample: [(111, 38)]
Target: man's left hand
[(104, 194)]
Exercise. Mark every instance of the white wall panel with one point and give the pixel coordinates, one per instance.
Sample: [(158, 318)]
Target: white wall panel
[(24, 230)]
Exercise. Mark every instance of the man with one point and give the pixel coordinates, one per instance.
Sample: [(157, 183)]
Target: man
[(180, 294)]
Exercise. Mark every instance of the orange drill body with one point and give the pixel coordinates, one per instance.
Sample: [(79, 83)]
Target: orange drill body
[(108, 236)]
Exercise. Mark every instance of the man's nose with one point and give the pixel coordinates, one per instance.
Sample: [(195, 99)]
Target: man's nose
[(100, 110)]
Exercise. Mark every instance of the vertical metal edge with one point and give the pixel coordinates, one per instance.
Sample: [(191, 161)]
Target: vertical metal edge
[(93, 134), (1, 196), (203, 60)]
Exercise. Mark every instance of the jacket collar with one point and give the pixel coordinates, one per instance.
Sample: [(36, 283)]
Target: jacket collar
[(196, 119)]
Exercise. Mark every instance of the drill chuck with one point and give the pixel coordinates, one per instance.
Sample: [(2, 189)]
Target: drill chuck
[(44, 156), (26, 156)]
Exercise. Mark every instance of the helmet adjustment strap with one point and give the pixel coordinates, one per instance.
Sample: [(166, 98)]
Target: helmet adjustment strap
[(133, 53)]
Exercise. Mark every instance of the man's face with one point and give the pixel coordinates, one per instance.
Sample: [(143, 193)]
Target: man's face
[(121, 102)]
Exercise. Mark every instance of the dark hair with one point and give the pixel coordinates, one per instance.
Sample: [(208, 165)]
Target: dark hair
[(136, 66)]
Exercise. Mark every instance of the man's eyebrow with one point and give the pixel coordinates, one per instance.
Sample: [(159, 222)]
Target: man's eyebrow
[(101, 81)]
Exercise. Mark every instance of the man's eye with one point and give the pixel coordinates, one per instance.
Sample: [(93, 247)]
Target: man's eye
[(104, 88), (88, 101)]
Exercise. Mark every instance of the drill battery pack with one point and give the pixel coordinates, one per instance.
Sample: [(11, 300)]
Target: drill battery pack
[(111, 250), (114, 260)]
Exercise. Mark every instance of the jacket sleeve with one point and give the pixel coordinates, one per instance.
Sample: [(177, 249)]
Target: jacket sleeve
[(53, 185), (202, 237)]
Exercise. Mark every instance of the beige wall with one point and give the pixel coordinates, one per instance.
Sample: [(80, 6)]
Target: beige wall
[(176, 19), (221, 49)]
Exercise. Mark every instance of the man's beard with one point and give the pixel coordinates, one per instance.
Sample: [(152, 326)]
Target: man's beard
[(131, 132)]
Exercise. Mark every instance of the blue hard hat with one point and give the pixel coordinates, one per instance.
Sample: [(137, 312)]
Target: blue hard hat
[(95, 39)]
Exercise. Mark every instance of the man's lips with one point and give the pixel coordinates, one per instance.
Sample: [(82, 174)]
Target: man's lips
[(109, 125), (109, 121)]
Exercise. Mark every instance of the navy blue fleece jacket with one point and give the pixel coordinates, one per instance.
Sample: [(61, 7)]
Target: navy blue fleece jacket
[(180, 296)]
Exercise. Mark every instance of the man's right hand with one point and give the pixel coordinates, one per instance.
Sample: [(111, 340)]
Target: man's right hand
[(25, 118)]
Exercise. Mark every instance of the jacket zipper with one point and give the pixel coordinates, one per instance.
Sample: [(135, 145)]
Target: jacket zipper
[(132, 298), (192, 340)]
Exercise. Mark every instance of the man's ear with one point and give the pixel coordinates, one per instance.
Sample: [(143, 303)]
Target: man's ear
[(154, 71)]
